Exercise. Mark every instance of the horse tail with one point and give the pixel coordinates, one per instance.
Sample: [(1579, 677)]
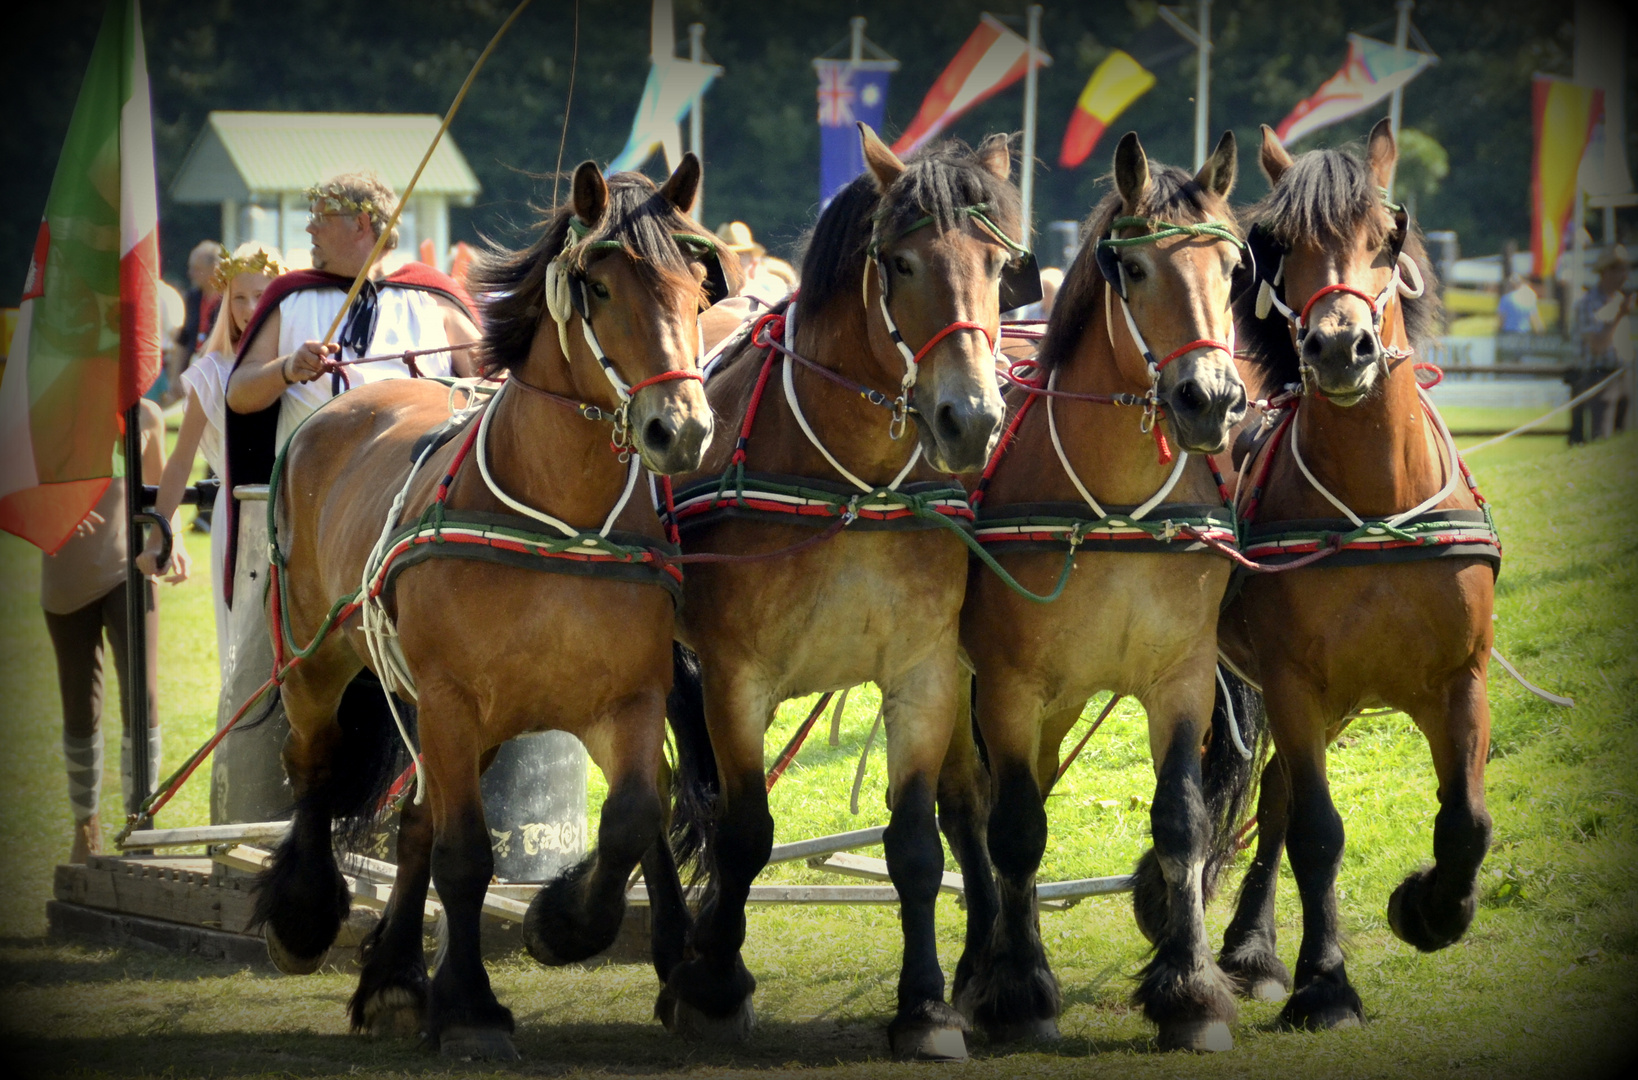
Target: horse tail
[(1228, 787), (695, 787), (366, 760), (1228, 775)]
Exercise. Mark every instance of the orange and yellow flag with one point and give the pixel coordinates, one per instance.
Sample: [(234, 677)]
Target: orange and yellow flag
[(1565, 114)]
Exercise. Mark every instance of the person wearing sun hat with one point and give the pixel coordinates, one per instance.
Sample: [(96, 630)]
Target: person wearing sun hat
[(1603, 330), (768, 280)]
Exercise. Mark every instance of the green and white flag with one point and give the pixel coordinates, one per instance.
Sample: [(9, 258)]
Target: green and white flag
[(87, 340)]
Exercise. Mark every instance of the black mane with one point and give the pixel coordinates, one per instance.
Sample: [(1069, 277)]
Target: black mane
[(938, 182), (1172, 196), (509, 284), (1329, 196)]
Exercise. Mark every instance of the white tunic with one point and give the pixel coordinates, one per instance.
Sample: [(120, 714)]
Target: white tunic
[(206, 379), (405, 319)]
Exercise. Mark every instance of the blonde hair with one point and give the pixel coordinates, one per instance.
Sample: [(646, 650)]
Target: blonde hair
[(251, 257)]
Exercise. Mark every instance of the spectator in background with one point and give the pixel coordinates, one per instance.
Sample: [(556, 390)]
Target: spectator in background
[(768, 280), (1603, 330), (83, 592), (1051, 279), (1518, 307), (171, 309), (241, 280), (202, 298)]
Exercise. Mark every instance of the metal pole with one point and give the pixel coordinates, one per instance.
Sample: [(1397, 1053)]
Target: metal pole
[(1202, 86), (1027, 182), (1401, 37), (1578, 261), (696, 122), (857, 24), (136, 611)]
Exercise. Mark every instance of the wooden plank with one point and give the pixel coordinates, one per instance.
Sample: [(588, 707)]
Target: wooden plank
[(824, 845), (800, 894), (1080, 888), (74, 922), (863, 866), (259, 832), (156, 891)]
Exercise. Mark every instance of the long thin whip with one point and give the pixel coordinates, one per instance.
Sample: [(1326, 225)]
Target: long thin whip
[(568, 103), (386, 230)]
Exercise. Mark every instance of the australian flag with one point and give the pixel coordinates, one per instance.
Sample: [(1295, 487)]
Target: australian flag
[(847, 92)]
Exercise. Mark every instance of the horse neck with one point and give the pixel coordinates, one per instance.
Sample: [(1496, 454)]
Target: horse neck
[(545, 454), (1105, 444), (838, 337), (1376, 456)]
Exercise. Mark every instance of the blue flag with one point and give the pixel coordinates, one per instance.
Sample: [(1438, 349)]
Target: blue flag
[(847, 92)]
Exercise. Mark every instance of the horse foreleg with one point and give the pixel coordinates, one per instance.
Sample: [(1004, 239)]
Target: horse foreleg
[(1433, 906), (1249, 957), (1013, 993), (464, 1018), (301, 898), (391, 998), (708, 995), (668, 907), (963, 814), (1323, 997), (578, 914)]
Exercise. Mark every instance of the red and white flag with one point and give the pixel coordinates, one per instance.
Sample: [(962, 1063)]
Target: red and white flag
[(991, 59), (87, 340)]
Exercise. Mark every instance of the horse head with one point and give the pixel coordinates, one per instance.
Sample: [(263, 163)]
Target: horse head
[(1169, 251), (1335, 259), (624, 273), (942, 255)]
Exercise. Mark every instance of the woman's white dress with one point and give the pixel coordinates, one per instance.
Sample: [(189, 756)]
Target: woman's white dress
[(206, 378)]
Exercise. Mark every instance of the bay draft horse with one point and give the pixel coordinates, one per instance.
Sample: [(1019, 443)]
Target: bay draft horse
[(1353, 631), (902, 287), (494, 647), (1143, 316)]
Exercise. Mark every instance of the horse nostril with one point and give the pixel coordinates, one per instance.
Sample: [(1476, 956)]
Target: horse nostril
[(1312, 346), (657, 435), (949, 423), (1364, 346), (1189, 397)]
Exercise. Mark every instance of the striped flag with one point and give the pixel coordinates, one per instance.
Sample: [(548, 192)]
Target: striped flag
[(87, 340), (1117, 82), (991, 59), (1374, 69), (1564, 115)]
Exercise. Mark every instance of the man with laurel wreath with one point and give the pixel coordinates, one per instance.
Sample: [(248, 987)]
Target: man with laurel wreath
[(285, 369)]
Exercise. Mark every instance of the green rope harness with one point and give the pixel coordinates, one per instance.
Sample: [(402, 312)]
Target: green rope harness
[(1165, 230), (979, 212)]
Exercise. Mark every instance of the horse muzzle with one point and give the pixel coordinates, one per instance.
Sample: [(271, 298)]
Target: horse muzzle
[(671, 427), (1204, 402), (958, 430), (1342, 363)]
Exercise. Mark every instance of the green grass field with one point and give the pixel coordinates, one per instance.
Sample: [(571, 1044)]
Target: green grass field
[(1545, 983)]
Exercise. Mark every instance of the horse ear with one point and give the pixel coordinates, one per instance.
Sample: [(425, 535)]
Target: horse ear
[(883, 164), (1273, 157), (995, 154), (1382, 152), (681, 188), (590, 195), (1217, 174), (1131, 170)]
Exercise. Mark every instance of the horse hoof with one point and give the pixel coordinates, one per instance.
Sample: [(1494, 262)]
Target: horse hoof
[(1024, 1031), (929, 1044), (285, 960), (1203, 1036), (1266, 990), (476, 1044), (393, 1013), (688, 1022)]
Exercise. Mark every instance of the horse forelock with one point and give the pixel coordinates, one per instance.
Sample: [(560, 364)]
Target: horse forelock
[(940, 181), (510, 283), (1172, 196), (1329, 197)]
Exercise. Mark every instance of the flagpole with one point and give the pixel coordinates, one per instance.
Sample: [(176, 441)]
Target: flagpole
[(136, 687), (1202, 85), (1027, 181), (856, 26), (1401, 38), (696, 124)]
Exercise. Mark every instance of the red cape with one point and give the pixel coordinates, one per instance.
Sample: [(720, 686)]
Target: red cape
[(250, 436)]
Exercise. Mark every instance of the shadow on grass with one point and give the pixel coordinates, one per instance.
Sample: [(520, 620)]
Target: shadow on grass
[(40, 961)]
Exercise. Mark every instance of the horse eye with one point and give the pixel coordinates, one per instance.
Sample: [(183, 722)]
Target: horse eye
[(600, 290), (1134, 270), (902, 265)]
